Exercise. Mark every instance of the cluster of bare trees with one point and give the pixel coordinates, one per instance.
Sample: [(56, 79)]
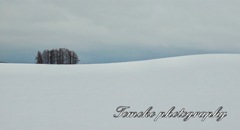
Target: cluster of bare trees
[(57, 56)]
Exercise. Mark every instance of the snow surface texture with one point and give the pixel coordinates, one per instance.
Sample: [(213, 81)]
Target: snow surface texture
[(85, 97)]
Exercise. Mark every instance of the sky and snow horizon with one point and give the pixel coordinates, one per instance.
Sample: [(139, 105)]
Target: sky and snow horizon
[(101, 31)]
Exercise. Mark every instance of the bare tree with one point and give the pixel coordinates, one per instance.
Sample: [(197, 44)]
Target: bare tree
[(39, 59), (46, 57)]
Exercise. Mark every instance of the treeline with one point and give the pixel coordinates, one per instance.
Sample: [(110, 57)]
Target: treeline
[(57, 56)]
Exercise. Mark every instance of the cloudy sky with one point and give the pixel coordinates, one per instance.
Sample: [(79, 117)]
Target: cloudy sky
[(118, 30)]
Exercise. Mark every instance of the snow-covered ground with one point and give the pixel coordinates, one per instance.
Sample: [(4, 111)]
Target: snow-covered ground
[(85, 97)]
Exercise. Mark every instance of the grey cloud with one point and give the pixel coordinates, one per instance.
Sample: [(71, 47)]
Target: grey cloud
[(198, 25)]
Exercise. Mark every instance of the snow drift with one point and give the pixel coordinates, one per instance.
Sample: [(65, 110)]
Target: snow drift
[(85, 97)]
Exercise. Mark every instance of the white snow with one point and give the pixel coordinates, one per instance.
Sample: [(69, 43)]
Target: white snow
[(85, 97)]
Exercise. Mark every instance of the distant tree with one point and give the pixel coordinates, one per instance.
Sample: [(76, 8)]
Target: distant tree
[(61, 56), (70, 57), (46, 57), (39, 59), (57, 56), (74, 58), (52, 56)]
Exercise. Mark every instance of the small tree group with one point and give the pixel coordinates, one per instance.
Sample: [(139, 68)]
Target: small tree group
[(57, 56)]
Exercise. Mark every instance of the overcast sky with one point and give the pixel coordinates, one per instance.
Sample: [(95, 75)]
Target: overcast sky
[(118, 30)]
